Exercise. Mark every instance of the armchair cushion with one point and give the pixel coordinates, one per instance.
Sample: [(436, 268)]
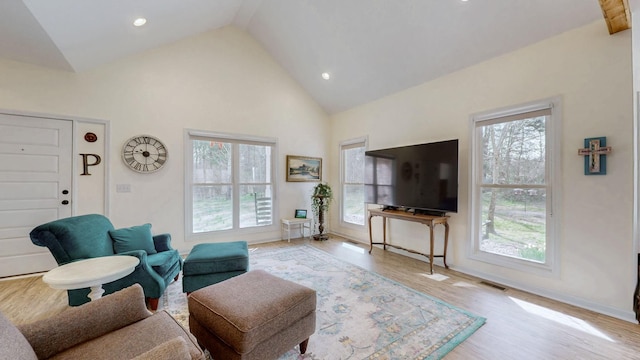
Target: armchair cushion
[(77, 325), (133, 238), (133, 340), (174, 349), (117, 326)]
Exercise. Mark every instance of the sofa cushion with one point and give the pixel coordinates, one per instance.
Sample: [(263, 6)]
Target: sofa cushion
[(174, 349), (92, 320), (13, 344), (133, 340), (164, 261), (133, 238)]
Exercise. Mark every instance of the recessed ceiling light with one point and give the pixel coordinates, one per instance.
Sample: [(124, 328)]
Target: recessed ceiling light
[(139, 22), (326, 75)]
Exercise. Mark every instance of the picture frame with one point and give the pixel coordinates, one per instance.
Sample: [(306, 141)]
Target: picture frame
[(301, 214), (304, 168)]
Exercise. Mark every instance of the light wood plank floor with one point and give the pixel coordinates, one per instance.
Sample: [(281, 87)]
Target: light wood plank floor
[(519, 325)]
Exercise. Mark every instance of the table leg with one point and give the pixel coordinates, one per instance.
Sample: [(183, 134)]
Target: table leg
[(446, 241), (431, 246), (384, 233), (96, 292), (370, 236)]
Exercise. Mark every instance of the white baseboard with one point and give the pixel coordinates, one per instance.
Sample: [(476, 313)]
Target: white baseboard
[(564, 298)]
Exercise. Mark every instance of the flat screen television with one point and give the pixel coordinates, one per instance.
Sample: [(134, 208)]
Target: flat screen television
[(421, 178)]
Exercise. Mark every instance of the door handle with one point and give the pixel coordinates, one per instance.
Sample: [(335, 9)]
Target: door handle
[(65, 202), (65, 192)]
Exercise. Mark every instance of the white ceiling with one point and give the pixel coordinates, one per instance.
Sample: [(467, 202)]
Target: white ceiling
[(372, 48)]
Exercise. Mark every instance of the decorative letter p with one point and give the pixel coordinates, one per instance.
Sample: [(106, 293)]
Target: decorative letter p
[(86, 164)]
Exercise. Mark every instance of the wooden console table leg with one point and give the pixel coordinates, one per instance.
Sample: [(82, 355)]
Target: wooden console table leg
[(431, 246), (384, 233), (446, 242)]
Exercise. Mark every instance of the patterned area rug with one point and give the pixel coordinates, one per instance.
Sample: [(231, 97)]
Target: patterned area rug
[(360, 314)]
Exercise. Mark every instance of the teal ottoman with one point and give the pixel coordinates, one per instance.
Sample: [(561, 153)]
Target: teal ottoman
[(212, 263)]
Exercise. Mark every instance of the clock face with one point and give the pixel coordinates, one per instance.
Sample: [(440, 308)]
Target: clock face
[(144, 153)]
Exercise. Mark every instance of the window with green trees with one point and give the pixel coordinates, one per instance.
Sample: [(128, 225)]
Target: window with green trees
[(230, 182), (514, 171)]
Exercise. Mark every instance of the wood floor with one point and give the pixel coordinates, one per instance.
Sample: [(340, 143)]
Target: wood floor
[(519, 325)]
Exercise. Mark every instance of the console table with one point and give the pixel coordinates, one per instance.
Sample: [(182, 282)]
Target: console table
[(428, 220)]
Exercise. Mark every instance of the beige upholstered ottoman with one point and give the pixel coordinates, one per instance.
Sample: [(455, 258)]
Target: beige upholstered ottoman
[(252, 316)]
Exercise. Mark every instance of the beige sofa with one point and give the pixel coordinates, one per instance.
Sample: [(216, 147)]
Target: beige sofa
[(117, 326)]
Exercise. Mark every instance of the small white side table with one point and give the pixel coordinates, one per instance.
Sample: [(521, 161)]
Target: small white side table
[(302, 223), (91, 273)]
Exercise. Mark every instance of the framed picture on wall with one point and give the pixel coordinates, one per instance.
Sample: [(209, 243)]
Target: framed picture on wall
[(301, 214), (304, 168)]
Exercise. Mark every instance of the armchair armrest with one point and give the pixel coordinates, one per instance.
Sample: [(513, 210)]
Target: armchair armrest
[(140, 254), (162, 242), (143, 269), (143, 274), (89, 321)]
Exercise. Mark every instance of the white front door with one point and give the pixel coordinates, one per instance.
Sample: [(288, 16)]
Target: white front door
[(35, 187)]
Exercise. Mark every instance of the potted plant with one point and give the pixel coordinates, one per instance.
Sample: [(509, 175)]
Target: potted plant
[(320, 201)]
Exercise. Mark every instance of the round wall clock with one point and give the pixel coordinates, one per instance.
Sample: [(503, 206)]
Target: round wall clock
[(144, 153)]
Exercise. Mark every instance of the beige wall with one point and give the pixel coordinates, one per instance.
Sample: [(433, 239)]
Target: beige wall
[(221, 81), (592, 73)]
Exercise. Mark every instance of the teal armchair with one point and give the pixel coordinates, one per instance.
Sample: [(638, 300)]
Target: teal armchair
[(88, 236)]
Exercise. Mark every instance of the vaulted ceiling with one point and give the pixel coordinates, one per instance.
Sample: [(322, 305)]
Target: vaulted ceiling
[(370, 48)]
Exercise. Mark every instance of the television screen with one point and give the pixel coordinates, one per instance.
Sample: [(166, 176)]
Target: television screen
[(420, 177)]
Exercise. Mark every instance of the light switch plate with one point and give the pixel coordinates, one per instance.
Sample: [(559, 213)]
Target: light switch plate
[(123, 188)]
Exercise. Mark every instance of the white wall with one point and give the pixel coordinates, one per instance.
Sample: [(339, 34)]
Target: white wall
[(592, 73), (220, 81)]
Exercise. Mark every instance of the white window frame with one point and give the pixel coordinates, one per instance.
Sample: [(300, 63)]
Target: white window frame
[(554, 183), (345, 145), (191, 134)]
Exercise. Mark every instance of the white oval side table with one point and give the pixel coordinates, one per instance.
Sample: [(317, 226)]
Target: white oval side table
[(91, 273)]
